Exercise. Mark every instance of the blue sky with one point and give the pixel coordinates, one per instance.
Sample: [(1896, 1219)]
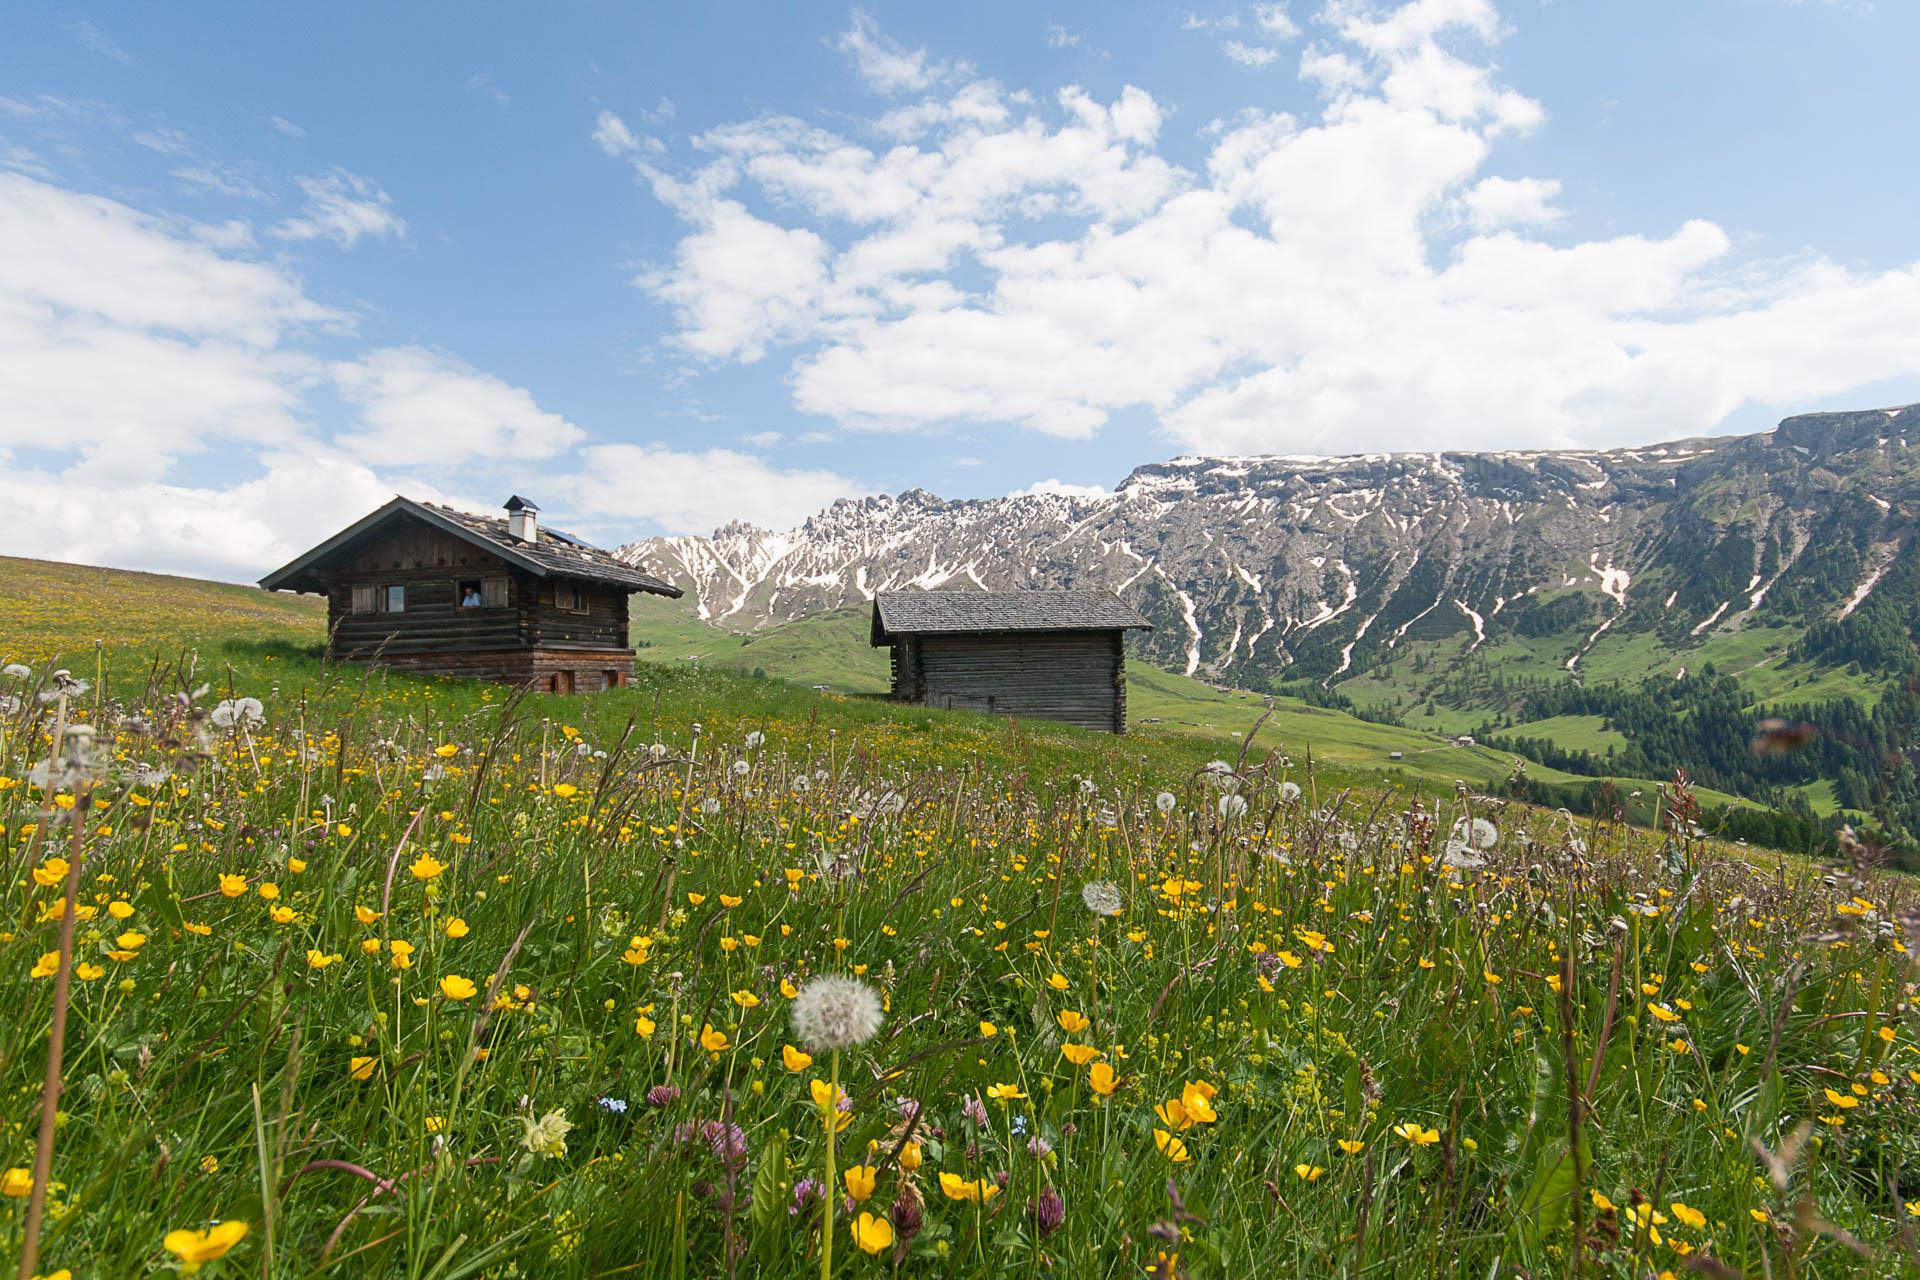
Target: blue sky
[(665, 266)]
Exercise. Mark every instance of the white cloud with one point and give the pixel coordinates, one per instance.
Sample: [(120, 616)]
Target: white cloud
[(1058, 37), (763, 439), (286, 127), (1248, 55), (696, 492), (130, 342), (342, 207), (1512, 202), (886, 65), (611, 132), (1358, 277), (99, 42), (482, 82), (119, 337), (1062, 488), (1273, 19), (417, 406)]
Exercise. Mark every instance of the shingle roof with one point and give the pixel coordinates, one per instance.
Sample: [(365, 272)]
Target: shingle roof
[(898, 613), (554, 555)]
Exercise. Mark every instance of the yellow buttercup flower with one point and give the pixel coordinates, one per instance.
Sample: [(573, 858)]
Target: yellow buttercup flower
[(1102, 1080), (1079, 1054), (1418, 1136), (426, 867), (1071, 1022), (455, 987), (1170, 1147), (872, 1234), (713, 1041), (794, 1059), (196, 1247), (860, 1180)]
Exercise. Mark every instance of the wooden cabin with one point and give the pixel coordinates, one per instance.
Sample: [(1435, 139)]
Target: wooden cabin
[(422, 587), (1055, 655)]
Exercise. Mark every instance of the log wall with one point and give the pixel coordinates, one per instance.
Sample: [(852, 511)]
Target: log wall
[(1078, 677)]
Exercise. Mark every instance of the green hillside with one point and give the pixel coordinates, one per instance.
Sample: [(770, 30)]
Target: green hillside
[(832, 650)]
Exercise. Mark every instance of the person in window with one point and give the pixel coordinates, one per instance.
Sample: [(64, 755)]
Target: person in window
[(470, 596)]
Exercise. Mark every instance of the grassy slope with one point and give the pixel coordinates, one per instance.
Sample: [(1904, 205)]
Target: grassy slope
[(250, 639), (832, 649)]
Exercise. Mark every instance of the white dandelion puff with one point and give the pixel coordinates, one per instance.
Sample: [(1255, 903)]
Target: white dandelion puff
[(1165, 801), (755, 738), (1232, 806), (833, 1013), (1102, 897), (1289, 792), (16, 671)]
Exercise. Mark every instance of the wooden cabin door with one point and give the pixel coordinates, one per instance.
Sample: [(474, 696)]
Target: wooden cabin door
[(563, 682)]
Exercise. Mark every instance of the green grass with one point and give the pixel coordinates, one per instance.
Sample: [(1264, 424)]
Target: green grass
[(609, 903), (1575, 733)]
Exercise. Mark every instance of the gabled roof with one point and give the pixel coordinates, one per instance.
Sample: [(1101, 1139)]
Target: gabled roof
[(553, 555), (906, 613)]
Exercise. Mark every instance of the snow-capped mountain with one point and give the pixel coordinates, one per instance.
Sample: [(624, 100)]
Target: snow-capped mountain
[(1254, 567)]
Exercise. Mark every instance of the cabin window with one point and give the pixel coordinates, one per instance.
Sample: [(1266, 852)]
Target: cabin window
[(493, 593), (566, 595), (467, 592), (363, 599), (393, 599)]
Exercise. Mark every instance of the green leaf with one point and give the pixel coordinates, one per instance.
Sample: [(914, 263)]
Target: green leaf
[(768, 1202)]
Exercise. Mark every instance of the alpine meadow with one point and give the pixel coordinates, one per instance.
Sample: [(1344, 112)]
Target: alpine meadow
[(895, 642)]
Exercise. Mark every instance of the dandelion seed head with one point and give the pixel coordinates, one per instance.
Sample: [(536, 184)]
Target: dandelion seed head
[(1102, 897), (1165, 801), (836, 1013)]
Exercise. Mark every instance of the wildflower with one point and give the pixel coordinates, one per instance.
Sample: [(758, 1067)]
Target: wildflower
[(365, 914), (456, 927), (361, 1068), (872, 1234), (713, 1041), (861, 1179), (643, 1026), (427, 867), (1102, 1080), (1352, 1146), (1165, 801), (1059, 982), (194, 1248), (1047, 1211), (1419, 1137), (1688, 1215), (50, 873), (455, 987), (1004, 1092), (977, 1191), (988, 1030), (318, 959), (1078, 1054), (546, 1136), (47, 965), (16, 1183), (745, 999), (1101, 897), (1170, 1147), (663, 1095), (232, 886), (1071, 1021), (836, 1013), (565, 790), (1308, 1172)]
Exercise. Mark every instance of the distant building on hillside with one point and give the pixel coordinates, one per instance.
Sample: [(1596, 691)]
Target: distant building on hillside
[(1052, 654), (422, 587)]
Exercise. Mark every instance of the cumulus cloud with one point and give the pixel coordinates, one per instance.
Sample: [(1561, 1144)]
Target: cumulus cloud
[(1062, 488), (697, 491), (1359, 276), (130, 343), (611, 132), (886, 65), (342, 207), (1248, 55), (419, 406)]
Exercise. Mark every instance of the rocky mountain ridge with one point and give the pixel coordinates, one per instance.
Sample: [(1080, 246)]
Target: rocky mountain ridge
[(1256, 569)]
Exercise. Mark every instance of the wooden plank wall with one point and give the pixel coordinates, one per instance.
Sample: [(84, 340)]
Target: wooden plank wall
[(601, 624), (1078, 677)]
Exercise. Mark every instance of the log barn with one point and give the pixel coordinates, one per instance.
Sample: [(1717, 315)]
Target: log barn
[(1056, 655), (427, 588)]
